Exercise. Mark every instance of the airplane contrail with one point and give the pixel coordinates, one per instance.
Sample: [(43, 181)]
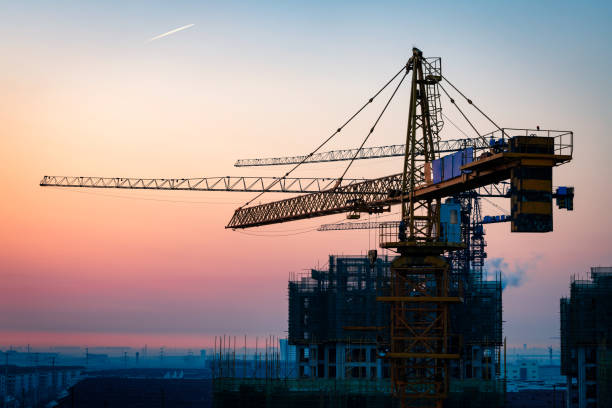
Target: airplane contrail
[(170, 32)]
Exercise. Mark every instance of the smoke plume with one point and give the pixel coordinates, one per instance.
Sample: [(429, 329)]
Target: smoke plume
[(511, 277)]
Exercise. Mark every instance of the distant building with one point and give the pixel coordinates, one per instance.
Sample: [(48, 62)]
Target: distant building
[(524, 370), (30, 386), (530, 374), (287, 351), (586, 340), (550, 373)]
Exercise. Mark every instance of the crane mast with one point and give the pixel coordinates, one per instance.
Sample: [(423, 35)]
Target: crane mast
[(419, 337), (418, 215)]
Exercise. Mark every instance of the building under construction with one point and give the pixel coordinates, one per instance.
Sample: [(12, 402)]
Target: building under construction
[(586, 340), (336, 323), (334, 318), (477, 321), (339, 328)]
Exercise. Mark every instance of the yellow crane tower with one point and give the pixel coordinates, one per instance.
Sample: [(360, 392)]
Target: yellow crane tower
[(420, 343)]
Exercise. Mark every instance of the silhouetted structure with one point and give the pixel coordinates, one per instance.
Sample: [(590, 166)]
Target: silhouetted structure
[(334, 318), (336, 323), (34, 385), (139, 393), (586, 340)]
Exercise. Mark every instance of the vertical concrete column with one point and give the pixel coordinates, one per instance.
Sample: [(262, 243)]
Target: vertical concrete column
[(340, 359)]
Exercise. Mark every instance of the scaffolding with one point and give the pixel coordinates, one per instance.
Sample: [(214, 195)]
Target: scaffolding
[(339, 304), (586, 316), (604, 374), (586, 337), (478, 319), (338, 326), (335, 321)]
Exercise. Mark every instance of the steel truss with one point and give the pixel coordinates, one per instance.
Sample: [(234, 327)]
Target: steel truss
[(237, 184), (420, 346), (377, 152)]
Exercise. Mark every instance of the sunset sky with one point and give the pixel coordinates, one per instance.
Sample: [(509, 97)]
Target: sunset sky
[(85, 92)]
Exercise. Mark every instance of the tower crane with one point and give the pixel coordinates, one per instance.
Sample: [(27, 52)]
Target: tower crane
[(419, 341)]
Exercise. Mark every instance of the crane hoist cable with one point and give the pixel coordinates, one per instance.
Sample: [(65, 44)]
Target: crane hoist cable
[(372, 128), (465, 97), (496, 206), (455, 125), (452, 101), (369, 101)]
